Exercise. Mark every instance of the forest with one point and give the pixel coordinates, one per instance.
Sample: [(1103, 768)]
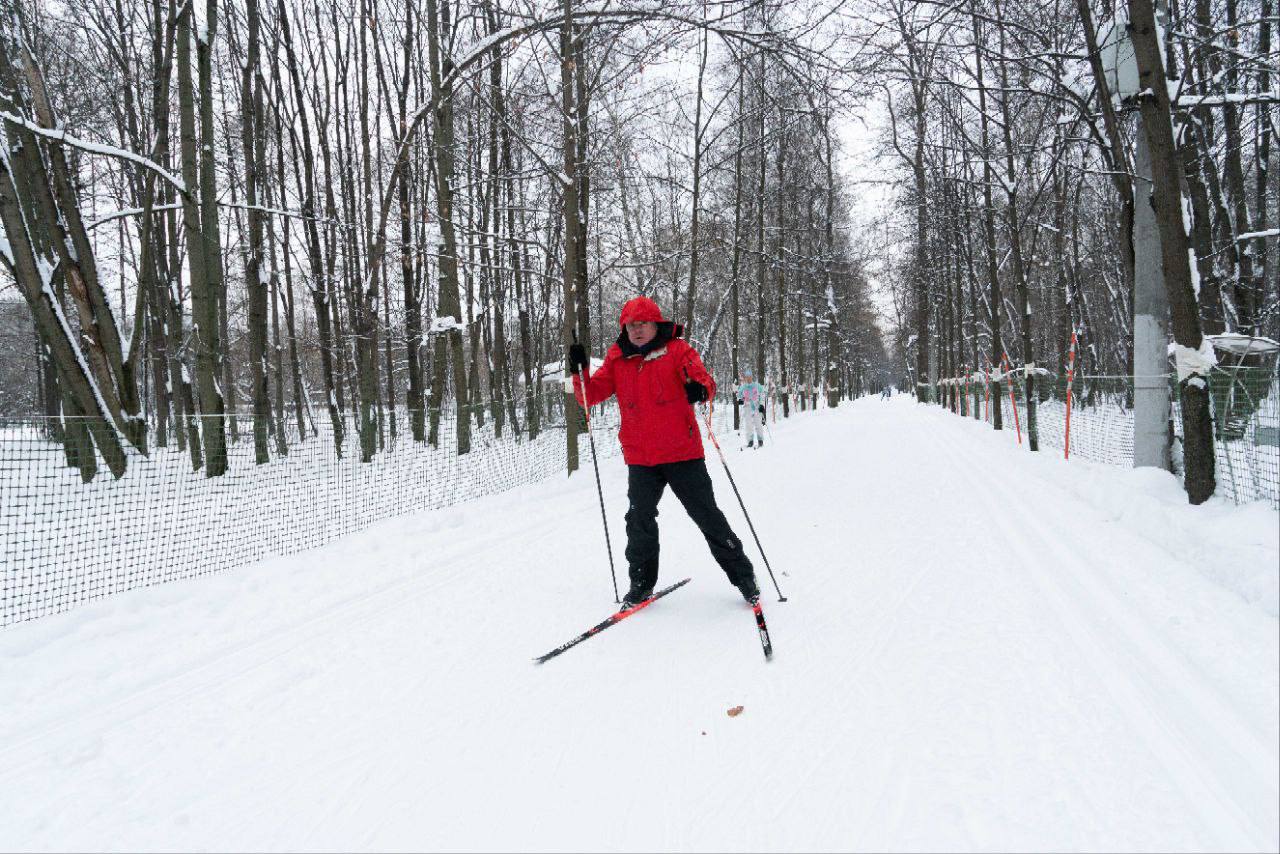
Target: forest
[(258, 220)]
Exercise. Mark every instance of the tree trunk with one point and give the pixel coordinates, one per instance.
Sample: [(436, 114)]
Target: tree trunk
[(531, 381), (320, 284), (736, 264), (1166, 199), (100, 333), (572, 209), (780, 261), (989, 225), (73, 378), (1022, 289), (447, 304), (254, 149), (761, 265), (196, 217), (691, 291)]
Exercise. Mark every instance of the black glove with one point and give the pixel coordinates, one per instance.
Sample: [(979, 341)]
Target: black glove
[(577, 358), (696, 392), (738, 401), (762, 409)]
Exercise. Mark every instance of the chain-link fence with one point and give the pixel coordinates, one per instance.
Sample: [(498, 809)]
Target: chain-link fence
[(1246, 415), (1246, 427)]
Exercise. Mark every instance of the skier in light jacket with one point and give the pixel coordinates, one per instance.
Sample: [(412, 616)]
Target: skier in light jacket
[(658, 378), (751, 395)]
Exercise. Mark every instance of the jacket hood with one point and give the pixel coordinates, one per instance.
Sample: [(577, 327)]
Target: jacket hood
[(640, 309)]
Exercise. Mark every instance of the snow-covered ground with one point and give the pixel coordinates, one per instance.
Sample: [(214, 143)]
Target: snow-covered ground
[(982, 650)]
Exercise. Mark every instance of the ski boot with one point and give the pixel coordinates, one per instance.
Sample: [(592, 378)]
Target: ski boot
[(637, 594)]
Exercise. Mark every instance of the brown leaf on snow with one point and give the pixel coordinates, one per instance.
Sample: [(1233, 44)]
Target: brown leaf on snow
[(735, 711)]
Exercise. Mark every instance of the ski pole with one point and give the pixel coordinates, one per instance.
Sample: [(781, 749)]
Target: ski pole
[(712, 434), (591, 438)]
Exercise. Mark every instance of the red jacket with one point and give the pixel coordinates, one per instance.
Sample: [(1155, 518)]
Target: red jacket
[(658, 423)]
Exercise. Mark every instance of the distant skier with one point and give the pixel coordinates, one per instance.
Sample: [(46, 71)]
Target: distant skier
[(658, 378), (751, 396)]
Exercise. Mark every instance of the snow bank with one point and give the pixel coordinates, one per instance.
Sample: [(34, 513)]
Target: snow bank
[(1236, 546)]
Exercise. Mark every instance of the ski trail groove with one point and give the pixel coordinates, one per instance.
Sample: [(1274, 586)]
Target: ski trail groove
[(1164, 725), (246, 656)]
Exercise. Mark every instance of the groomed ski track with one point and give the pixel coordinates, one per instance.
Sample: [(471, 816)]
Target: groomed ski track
[(973, 657)]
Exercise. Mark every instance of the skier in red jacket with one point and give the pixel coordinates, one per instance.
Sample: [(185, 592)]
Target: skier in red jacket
[(658, 378)]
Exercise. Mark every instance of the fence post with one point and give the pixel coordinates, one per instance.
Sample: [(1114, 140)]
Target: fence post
[(1013, 401)]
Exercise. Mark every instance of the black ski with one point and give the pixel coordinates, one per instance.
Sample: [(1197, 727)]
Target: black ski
[(614, 618), (764, 631)]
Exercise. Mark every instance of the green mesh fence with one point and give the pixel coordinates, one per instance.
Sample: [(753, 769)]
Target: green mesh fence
[(1246, 422), (1246, 414)]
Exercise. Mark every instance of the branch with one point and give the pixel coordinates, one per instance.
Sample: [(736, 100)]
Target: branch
[(95, 148)]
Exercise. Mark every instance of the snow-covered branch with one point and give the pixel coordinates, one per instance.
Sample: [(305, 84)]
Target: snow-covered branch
[(95, 148)]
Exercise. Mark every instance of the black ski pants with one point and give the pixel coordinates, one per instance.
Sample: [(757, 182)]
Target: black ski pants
[(691, 483)]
